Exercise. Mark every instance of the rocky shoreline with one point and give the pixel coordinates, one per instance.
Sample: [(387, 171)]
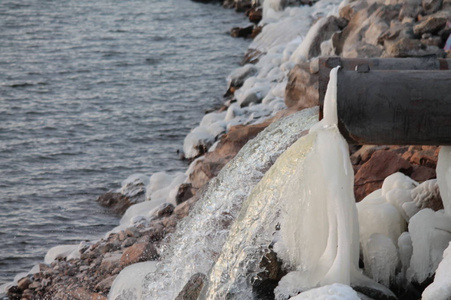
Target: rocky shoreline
[(364, 29)]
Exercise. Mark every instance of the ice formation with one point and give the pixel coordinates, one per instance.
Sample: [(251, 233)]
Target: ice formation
[(199, 237), (444, 177), (334, 291), (382, 221), (431, 233), (321, 193), (129, 283), (161, 189), (134, 187), (62, 251), (440, 289)]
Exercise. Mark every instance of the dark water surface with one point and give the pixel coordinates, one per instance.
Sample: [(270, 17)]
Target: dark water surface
[(90, 93)]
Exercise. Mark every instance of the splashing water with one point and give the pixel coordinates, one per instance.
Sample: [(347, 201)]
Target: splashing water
[(199, 238), (309, 191)]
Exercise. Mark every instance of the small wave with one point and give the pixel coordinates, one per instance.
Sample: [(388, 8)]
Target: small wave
[(26, 84), (152, 61), (118, 31), (112, 53)]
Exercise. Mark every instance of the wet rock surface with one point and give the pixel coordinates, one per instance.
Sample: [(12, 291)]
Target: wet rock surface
[(193, 287)]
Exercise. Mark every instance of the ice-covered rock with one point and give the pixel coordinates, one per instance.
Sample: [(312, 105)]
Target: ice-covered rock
[(62, 251), (405, 250), (444, 177), (427, 195), (334, 291), (378, 216), (381, 259), (440, 289), (197, 142), (134, 187), (129, 283), (431, 234)]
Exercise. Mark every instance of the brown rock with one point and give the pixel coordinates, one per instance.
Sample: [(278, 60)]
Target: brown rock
[(431, 6), (109, 262), (243, 32), (410, 9), (422, 173), (255, 15), (421, 155), (155, 232), (138, 253), (182, 210), (372, 173), (302, 87), (227, 148), (364, 153), (433, 24), (268, 279), (351, 42), (192, 288), (251, 57), (117, 202), (23, 283), (165, 210), (105, 284), (406, 47), (348, 11), (83, 294), (34, 285), (432, 41), (256, 31), (328, 27), (184, 193)]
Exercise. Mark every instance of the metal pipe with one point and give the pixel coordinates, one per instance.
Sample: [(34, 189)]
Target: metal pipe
[(395, 107), (323, 65)]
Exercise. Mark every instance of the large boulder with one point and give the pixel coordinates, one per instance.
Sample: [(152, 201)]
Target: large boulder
[(302, 87), (116, 202), (138, 253)]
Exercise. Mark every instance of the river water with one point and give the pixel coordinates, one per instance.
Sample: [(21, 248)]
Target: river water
[(90, 93)]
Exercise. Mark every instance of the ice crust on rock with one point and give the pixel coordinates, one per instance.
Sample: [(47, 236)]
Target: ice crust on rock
[(134, 187), (162, 188), (444, 177), (381, 258), (440, 289), (429, 240), (129, 283), (334, 291), (62, 251)]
